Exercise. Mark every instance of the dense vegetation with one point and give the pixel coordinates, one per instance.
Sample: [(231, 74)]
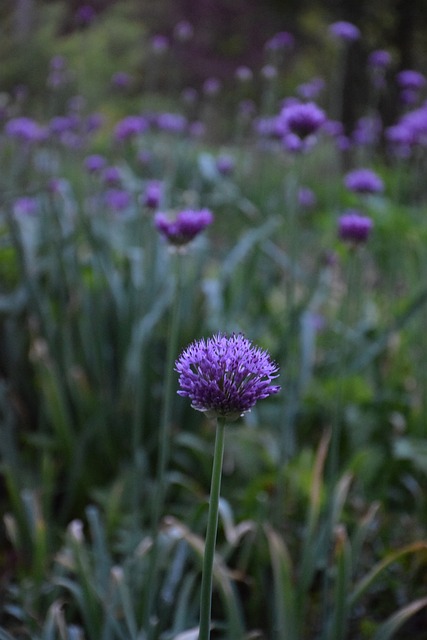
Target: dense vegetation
[(105, 469)]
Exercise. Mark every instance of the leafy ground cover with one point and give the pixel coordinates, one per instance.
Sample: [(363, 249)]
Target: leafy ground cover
[(311, 242)]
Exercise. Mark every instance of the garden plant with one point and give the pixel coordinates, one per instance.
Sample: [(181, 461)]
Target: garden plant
[(213, 389)]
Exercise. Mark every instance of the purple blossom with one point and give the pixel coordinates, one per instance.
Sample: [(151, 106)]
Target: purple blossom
[(171, 122), (117, 199), (121, 80), (94, 163), (211, 86), (24, 129), (225, 376), (310, 90), (379, 59), (345, 31), (306, 198), (225, 164), (367, 131), (302, 119), (112, 176), (159, 44), (409, 79), (152, 195), (354, 227), (243, 74), (363, 181), (184, 227), (85, 14), (281, 40), (25, 206), (183, 31), (129, 127)]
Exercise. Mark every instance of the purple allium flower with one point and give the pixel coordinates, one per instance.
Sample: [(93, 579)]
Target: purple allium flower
[(302, 119), (225, 376), (363, 181), (211, 86), (183, 31), (281, 40), (409, 79), (85, 14), (61, 124), (94, 163), (367, 130), (354, 227), (306, 198), (129, 127), (159, 44), (117, 199), (121, 80), (112, 176), (310, 90), (243, 74), (225, 164), (171, 122), (379, 59), (24, 129), (25, 206), (184, 227), (345, 31), (152, 195), (269, 72)]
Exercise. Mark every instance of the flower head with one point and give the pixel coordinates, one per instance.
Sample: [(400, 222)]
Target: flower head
[(185, 227), (363, 181), (379, 59), (302, 119), (225, 376), (410, 79), (353, 227), (345, 31)]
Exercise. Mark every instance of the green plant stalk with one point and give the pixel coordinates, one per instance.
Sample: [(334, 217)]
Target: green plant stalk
[(209, 554), (164, 439)]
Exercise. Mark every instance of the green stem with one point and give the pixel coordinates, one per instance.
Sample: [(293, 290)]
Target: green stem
[(208, 559)]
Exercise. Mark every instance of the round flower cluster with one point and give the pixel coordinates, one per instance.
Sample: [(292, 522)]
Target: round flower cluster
[(354, 227), (225, 376), (185, 227), (363, 181)]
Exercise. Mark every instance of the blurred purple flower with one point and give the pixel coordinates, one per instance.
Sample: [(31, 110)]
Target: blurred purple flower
[(367, 131), (197, 129), (171, 122), (302, 119), (152, 195), (225, 164), (345, 31), (184, 227), (94, 163), (183, 31), (211, 86), (225, 376), (111, 176), (85, 14), (121, 80), (306, 198), (24, 129), (409, 79), (363, 181), (280, 40), (117, 200), (310, 90), (354, 227), (379, 59), (243, 74), (129, 127), (159, 44), (25, 206)]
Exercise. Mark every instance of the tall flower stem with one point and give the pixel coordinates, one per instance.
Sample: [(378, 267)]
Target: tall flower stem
[(208, 559), (164, 437)]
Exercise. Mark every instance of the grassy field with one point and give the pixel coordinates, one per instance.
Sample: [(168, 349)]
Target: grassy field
[(105, 469)]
